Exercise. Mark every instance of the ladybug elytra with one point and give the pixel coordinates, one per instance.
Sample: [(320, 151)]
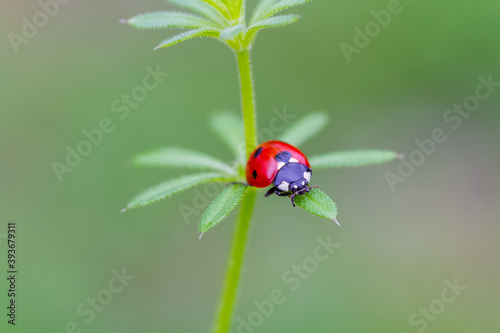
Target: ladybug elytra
[(281, 165)]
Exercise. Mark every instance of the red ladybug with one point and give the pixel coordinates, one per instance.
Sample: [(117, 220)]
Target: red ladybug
[(283, 166)]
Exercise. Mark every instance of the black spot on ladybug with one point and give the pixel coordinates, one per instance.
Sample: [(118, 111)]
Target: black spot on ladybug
[(257, 152), (254, 174), (284, 156)]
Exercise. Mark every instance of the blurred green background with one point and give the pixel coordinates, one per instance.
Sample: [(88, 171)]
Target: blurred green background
[(397, 248)]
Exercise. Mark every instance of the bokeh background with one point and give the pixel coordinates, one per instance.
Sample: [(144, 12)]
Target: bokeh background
[(397, 248)]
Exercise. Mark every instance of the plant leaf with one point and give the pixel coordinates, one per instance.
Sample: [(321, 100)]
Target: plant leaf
[(305, 128), (172, 186), (233, 10), (229, 128), (204, 32), (205, 9), (271, 22), (220, 208), (262, 7), (274, 22), (232, 32), (352, 158), (272, 8), (318, 203), (221, 6), (180, 157), (161, 20)]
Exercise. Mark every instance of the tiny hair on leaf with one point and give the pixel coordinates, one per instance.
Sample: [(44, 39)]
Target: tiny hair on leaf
[(262, 7), (318, 203), (276, 7), (222, 205), (173, 186), (163, 20), (271, 22), (231, 33), (205, 9), (353, 158), (205, 32), (274, 22)]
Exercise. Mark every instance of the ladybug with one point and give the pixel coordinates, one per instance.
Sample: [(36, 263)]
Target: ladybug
[(281, 165)]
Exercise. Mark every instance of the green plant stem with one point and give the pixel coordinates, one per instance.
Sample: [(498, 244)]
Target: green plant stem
[(235, 264), (247, 99)]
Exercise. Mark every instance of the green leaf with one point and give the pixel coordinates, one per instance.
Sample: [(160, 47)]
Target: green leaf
[(172, 186), (318, 203), (208, 32), (262, 7), (223, 204), (271, 22), (352, 158), (229, 128), (305, 128), (180, 157), (159, 20), (205, 9), (232, 32), (274, 22), (272, 7), (220, 5)]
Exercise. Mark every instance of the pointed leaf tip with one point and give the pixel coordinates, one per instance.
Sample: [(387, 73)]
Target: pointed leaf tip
[(201, 235), (123, 210), (123, 21), (335, 220)]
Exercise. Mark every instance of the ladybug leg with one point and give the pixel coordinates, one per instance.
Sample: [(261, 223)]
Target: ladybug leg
[(281, 193), (292, 198), (271, 191)]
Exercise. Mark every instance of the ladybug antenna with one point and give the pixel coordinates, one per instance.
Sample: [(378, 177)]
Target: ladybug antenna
[(311, 187)]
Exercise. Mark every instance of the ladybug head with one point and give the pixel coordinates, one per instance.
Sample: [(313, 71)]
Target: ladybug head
[(299, 186), (293, 177)]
